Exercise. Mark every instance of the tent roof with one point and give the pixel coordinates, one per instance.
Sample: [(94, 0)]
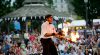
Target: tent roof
[(34, 11), (32, 1), (34, 8), (96, 20), (78, 23)]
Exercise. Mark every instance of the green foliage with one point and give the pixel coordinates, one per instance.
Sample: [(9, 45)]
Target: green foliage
[(50, 2), (79, 18), (5, 7), (18, 4), (93, 8), (36, 24), (79, 7)]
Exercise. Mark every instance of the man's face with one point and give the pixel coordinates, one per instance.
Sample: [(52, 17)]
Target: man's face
[(50, 19)]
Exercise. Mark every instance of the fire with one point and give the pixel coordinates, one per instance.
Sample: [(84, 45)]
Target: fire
[(74, 36), (65, 31)]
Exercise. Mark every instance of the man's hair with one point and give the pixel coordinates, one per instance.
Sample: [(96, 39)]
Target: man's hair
[(47, 16)]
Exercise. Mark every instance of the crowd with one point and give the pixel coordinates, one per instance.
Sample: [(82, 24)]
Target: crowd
[(85, 45), (27, 43), (16, 43)]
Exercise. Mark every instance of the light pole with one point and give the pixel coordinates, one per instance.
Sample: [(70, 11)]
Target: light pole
[(86, 18), (86, 2), (0, 25)]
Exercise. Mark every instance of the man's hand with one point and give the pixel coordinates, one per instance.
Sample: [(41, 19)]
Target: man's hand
[(62, 37), (50, 34)]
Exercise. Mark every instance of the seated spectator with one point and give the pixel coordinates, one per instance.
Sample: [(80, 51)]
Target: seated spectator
[(31, 38), (61, 47), (6, 47)]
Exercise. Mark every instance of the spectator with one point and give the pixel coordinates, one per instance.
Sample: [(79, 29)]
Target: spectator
[(31, 37), (98, 42), (17, 49), (61, 48), (26, 37), (6, 47)]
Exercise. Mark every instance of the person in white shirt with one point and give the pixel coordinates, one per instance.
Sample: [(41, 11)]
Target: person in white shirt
[(47, 33), (61, 48), (9, 37), (26, 37)]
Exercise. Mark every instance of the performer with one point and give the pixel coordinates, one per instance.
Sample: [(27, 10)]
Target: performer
[(47, 33)]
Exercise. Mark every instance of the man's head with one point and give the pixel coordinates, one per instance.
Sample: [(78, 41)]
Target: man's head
[(49, 18)]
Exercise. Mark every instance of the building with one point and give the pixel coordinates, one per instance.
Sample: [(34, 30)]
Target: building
[(33, 8), (60, 5), (65, 6)]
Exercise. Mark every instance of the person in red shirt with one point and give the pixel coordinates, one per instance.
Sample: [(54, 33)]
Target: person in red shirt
[(31, 37)]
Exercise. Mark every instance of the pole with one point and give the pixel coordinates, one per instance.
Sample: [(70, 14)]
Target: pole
[(0, 27), (86, 3), (86, 15)]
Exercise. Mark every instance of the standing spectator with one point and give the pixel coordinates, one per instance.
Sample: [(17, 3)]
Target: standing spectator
[(9, 37), (26, 38), (93, 31), (98, 42), (4, 36)]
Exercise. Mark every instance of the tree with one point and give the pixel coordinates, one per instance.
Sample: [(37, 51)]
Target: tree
[(79, 7), (18, 4), (50, 2), (5, 7), (93, 9)]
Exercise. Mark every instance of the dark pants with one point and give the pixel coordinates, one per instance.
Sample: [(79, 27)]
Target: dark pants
[(48, 47), (26, 41)]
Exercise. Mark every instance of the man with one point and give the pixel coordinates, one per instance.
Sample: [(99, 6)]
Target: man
[(47, 33)]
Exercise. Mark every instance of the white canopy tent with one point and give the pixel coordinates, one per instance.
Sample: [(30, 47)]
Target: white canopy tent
[(96, 20), (78, 23), (73, 23), (61, 25)]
